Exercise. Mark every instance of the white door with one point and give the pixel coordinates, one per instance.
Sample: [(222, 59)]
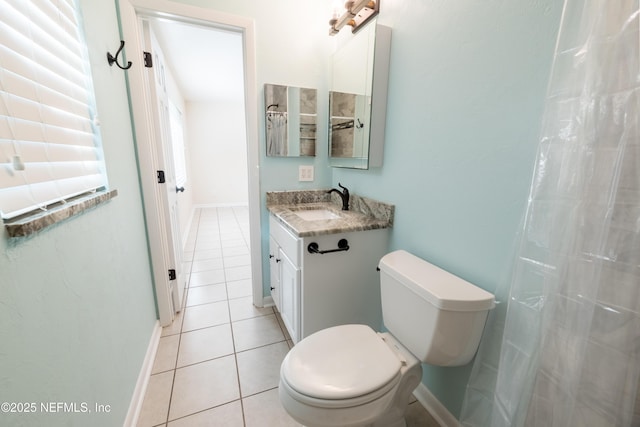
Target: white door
[(151, 158), (161, 122)]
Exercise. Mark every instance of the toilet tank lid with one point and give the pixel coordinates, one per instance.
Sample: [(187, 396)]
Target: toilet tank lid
[(441, 288)]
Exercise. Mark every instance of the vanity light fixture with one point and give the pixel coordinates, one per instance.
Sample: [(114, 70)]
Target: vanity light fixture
[(355, 14)]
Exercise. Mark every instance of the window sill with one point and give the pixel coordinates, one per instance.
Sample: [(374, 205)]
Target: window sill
[(30, 224)]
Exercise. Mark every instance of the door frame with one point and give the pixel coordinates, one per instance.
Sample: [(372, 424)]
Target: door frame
[(155, 206)]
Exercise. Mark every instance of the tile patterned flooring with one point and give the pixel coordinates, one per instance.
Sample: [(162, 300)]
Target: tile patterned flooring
[(218, 364)]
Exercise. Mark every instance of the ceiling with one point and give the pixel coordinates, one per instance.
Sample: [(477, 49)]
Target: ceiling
[(206, 62)]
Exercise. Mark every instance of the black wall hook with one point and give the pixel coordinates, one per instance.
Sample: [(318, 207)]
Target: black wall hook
[(113, 59)]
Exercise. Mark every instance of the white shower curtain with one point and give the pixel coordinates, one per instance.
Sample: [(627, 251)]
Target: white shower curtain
[(276, 133), (563, 347)]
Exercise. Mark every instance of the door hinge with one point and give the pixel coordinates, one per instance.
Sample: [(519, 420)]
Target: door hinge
[(161, 179), (148, 62), (172, 274)]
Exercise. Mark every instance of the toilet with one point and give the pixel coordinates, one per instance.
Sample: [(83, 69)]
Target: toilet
[(351, 375)]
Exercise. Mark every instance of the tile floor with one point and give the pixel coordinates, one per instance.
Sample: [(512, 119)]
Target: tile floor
[(218, 363)]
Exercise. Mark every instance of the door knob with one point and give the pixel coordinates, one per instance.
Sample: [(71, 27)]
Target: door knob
[(179, 189)]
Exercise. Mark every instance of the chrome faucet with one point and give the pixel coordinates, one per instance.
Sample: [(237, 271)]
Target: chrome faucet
[(344, 195)]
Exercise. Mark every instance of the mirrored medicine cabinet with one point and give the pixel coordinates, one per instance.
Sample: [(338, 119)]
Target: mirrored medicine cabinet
[(358, 98), (290, 120)]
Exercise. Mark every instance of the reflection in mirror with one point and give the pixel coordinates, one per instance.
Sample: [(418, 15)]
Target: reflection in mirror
[(349, 135), (290, 121), (358, 98)]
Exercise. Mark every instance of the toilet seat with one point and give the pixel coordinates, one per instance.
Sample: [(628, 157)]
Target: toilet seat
[(342, 366)]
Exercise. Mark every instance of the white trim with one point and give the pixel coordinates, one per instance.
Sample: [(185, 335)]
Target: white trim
[(253, 159), (437, 410), (268, 301), (220, 205), (162, 7), (143, 378)]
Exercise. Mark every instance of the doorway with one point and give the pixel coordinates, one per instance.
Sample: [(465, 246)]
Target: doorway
[(199, 24)]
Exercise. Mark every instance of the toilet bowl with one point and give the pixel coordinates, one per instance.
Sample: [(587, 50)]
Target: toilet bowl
[(348, 375), (351, 375)]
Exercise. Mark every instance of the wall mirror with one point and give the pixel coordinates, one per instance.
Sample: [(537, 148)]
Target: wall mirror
[(290, 120), (358, 98)]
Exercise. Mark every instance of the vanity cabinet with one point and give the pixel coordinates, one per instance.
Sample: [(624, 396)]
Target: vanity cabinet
[(274, 271), (290, 296), (315, 291), (285, 278)]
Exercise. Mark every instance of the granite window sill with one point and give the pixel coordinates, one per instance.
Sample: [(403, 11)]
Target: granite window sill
[(29, 224)]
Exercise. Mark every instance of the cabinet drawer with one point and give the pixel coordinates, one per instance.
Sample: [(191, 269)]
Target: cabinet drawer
[(286, 240)]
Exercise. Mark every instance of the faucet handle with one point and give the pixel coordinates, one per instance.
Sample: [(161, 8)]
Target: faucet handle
[(346, 191)]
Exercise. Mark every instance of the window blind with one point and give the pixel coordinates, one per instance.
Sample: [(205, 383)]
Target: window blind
[(50, 149)]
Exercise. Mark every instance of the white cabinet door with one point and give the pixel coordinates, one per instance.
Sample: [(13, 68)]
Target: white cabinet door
[(290, 296), (274, 266)]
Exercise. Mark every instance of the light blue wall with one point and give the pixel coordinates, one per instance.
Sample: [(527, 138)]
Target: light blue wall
[(466, 88), (76, 301)]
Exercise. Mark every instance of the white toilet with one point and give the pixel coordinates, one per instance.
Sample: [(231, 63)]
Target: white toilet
[(351, 375)]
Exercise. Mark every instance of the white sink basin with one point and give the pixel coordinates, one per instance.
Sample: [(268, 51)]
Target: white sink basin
[(316, 214)]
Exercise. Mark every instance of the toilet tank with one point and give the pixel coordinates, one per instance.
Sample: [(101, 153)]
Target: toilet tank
[(436, 315)]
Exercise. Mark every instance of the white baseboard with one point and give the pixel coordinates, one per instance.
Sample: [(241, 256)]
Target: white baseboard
[(143, 378), (220, 205), (268, 301), (437, 410)]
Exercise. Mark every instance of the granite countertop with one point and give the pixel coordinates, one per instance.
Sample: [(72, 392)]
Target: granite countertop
[(363, 213)]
